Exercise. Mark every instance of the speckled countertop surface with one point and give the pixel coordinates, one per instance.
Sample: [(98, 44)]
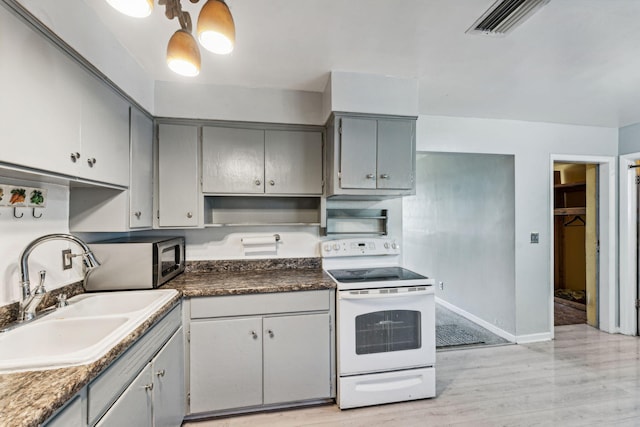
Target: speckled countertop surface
[(29, 398), (219, 283)]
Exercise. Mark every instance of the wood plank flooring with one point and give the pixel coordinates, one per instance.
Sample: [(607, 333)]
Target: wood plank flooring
[(583, 378)]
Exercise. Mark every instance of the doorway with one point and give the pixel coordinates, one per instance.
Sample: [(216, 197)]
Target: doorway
[(575, 243)]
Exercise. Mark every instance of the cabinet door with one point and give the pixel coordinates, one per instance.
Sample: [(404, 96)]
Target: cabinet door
[(104, 134), (293, 162), (396, 154), (168, 392), (141, 183), (297, 359), (225, 364), (69, 416), (133, 407), (358, 153), (178, 176), (40, 101), (232, 160)]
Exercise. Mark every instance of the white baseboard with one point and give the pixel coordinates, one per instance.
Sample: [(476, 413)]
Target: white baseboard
[(524, 339), (492, 328)]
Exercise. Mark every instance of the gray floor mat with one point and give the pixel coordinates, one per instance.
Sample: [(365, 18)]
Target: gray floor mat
[(453, 330)]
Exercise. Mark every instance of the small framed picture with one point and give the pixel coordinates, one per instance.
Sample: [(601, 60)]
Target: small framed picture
[(17, 196), (4, 195), (37, 198)]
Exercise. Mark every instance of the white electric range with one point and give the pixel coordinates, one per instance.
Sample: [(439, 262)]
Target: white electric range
[(385, 323)]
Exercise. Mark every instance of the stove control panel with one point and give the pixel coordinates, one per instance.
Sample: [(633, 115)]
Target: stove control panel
[(359, 247)]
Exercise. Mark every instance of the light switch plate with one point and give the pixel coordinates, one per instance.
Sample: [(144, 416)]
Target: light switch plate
[(535, 237)]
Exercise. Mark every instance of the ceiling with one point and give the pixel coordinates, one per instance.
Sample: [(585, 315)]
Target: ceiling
[(574, 61)]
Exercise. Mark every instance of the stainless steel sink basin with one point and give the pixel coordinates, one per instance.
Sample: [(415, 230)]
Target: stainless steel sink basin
[(80, 333)]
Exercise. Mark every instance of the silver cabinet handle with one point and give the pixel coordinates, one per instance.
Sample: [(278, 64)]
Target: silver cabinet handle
[(272, 182), (254, 334), (160, 373), (75, 156), (148, 387), (91, 162), (270, 332), (258, 182), (138, 214), (371, 176), (384, 176), (189, 215)]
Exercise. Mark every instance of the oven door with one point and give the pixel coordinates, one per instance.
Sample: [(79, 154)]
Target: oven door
[(385, 329)]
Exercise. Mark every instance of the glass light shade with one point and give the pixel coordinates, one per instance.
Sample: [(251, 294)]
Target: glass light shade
[(216, 30), (135, 8), (183, 55)]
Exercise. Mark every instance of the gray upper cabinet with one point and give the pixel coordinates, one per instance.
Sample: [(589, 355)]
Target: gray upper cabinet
[(293, 162), (232, 160), (178, 172), (370, 155), (141, 185), (396, 154), (257, 161)]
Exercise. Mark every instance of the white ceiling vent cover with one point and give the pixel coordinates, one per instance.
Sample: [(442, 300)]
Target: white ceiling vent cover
[(504, 15)]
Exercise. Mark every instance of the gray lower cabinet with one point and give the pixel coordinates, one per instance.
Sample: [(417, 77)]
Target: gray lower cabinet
[(257, 354), (156, 397), (72, 415)]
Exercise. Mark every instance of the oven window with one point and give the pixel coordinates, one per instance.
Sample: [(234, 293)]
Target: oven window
[(385, 331)]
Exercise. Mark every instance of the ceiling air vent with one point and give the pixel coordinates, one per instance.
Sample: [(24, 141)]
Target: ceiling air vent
[(504, 15)]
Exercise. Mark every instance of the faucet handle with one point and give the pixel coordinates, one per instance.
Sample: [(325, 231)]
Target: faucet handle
[(62, 301), (40, 289)]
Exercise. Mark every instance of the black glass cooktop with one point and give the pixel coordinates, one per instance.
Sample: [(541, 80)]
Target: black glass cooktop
[(377, 274)]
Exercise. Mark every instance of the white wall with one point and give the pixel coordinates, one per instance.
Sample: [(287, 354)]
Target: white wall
[(18, 232), (532, 144), (459, 229), (194, 101)]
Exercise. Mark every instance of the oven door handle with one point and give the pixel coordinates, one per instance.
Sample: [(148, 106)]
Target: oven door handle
[(349, 295)]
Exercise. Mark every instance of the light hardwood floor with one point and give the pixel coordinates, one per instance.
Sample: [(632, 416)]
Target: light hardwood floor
[(583, 377)]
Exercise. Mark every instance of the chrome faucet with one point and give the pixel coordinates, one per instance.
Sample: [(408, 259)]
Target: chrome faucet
[(29, 301)]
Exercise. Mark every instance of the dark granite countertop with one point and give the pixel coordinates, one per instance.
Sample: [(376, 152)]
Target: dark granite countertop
[(29, 398)]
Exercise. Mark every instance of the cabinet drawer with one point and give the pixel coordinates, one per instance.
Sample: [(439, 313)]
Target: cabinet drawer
[(242, 305), (105, 389)]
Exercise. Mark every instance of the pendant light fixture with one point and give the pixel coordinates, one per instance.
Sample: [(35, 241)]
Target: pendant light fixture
[(216, 30), (135, 8), (183, 55)]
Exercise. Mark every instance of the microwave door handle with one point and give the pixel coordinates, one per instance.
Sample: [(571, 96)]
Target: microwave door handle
[(348, 295)]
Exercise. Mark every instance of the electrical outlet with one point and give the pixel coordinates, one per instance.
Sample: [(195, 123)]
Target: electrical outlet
[(441, 286), (67, 259), (535, 237)]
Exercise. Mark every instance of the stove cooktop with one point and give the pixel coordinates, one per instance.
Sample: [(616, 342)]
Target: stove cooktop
[(375, 274)]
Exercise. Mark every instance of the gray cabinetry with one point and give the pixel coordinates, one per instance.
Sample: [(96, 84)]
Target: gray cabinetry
[(98, 209), (232, 160), (258, 161), (178, 172), (277, 350), (72, 415), (371, 155), (231, 378), (293, 162), (133, 408)]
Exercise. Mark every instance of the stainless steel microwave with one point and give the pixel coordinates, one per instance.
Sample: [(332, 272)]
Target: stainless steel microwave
[(136, 263)]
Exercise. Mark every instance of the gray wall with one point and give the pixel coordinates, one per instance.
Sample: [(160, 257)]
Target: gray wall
[(629, 139), (459, 229)]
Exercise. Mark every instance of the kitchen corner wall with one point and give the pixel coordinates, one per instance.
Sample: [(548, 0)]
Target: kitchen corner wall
[(18, 232), (532, 144)]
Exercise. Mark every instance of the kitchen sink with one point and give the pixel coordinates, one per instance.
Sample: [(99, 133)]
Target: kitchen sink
[(79, 333)]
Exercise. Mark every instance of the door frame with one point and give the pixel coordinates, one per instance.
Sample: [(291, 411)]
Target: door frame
[(607, 231), (628, 246)]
